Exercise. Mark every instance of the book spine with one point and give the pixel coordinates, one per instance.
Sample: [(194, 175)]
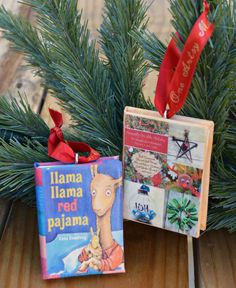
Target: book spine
[(40, 202)]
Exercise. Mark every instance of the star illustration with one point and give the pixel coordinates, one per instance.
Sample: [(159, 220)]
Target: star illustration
[(185, 146)]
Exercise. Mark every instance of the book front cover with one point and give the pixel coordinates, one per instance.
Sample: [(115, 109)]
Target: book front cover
[(80, 218)]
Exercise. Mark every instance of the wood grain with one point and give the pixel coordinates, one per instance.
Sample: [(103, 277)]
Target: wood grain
[(15, 78), (159, 23), (144, 247), (154, 258), (5, 210), (217, 260), (51, 102)]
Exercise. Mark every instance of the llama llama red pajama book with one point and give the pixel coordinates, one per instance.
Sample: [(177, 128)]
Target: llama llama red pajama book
[(80, 218)]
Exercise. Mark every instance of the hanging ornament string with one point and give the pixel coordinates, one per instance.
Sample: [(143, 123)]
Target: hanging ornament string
[(177, 68), (65, 151)]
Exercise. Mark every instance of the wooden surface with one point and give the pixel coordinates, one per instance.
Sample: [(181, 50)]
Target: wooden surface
[(154, 258), (15, 79), (217, 260), (144, 247), (5, 211)]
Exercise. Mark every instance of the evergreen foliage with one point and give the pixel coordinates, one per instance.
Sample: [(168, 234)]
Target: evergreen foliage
[(93, 91), (16, 171), (125, 59), (94, 85), (23, 141), (91, 88), (212, 95), (17, 120)]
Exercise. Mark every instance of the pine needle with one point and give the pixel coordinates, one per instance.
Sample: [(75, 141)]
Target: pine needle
[(212, 95)]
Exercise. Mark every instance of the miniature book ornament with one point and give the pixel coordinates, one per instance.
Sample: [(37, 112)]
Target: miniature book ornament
[(79, 211), (166, 158)]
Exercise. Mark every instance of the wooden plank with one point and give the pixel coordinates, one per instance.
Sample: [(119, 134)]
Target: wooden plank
[(159, 16), (92, 10), (216, 253), (154, 258), (5, 211), (217, 260), (51, 102), (159, 23), (14, 7), (15, 79)]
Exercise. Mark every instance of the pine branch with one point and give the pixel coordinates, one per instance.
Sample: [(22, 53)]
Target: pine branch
[(16, 169), (95, 92), (62, 53), (17, 120), (20, 127), (23, 141), (154, 49), (25, 39), (223, 206), (124, 55), (74, 70), (97, 89), (212, 94)]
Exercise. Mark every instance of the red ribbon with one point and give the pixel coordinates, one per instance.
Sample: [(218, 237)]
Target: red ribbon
[(177, 69), (65, 151)]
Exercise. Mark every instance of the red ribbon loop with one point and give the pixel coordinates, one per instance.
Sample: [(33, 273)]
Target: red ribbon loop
[(65, 151), (177, 68)]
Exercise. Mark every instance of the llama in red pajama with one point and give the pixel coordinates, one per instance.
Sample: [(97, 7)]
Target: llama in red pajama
[(103, 188)]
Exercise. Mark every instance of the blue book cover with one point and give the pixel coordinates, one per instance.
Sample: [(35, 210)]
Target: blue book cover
[(80, 218)]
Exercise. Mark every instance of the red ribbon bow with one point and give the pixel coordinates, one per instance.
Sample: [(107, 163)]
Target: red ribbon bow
[(65, 151), (177, 68)]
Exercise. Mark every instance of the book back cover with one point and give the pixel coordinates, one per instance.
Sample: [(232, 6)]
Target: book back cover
[(166, 170)]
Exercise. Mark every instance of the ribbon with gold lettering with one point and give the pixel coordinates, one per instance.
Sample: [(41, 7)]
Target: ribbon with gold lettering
[(177, 68), (65, 151)]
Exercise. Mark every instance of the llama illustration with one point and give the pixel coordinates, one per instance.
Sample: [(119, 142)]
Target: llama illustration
[(103, 188), (92, 250)]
